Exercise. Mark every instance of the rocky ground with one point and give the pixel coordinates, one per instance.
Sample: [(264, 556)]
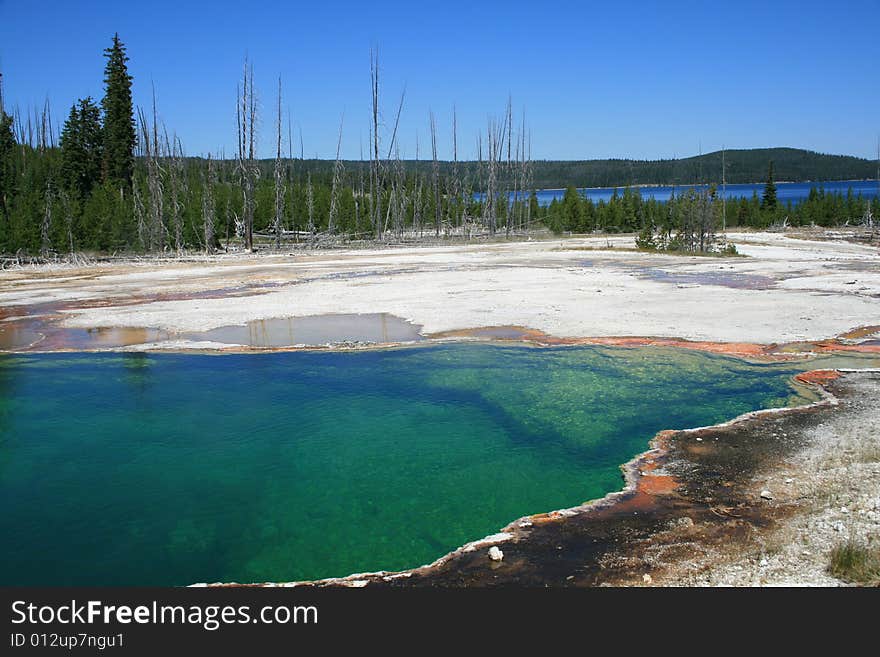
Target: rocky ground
[(833, 487)]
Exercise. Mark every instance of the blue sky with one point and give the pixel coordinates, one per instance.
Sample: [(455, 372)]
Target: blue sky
[(625, 79)]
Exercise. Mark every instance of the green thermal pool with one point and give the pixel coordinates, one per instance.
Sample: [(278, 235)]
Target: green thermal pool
[(158, 469)]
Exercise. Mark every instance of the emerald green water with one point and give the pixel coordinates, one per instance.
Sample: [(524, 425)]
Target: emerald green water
[(172, 469)]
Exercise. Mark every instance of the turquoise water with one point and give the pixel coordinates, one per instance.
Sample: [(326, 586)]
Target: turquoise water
[(159, 469)]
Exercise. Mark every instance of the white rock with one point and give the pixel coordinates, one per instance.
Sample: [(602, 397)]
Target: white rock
[(789, 480), (647, 579), (495, 554), (766, 494)]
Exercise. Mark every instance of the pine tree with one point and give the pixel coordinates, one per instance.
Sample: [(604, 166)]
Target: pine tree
[(768, 200), (119, 125), (7, 147), (82, 148)]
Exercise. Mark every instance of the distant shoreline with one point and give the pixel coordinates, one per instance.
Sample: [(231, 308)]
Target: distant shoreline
[(760, 182)]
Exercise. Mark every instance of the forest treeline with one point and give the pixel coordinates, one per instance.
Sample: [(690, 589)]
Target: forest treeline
[(691, 220), (114, 179), (742, 166)]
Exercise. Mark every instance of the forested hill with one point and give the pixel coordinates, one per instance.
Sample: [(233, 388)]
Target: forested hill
[(743, 166)]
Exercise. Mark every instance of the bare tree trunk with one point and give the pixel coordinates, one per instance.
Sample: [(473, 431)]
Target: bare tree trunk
[(153, 229), (337, 182), (177, 182), (279, 178), (290, 210), (723, 192), (310, 200), (508, 205), (375, 190), (246, 110), (46, 225), (210, 180), (435, 175)]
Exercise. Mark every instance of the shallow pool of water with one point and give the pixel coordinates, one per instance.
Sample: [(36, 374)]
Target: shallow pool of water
[(169, 469), (381, 328)]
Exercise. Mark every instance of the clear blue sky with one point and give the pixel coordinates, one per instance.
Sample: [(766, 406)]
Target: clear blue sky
[(623, 79)]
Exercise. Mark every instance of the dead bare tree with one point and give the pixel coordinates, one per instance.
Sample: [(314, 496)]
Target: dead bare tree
[(278, 222), (154, 228), (246, 120), (46, 224), (177, 184), (435, 175), (493, 139), (723, 192), (375, 189), (456, 203), (310, 202), (398, 195), (210, 180), (337, 182), (292, 222), (508, 197)]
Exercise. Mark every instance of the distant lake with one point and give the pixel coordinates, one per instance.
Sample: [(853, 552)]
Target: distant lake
[(785, 192)]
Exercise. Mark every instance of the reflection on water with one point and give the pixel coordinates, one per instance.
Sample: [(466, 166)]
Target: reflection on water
[(104, 337), (17, 337), (720, 278), (40, 335), (314, 330)]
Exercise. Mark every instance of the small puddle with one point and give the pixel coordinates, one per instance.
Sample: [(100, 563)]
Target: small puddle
[(17, 337), (101, 338), (723, 279), (314, 330)]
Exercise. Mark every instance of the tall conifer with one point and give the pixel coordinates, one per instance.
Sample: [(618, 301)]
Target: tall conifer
[(768, 200), (7, 146), (82, 146), (119, 125)]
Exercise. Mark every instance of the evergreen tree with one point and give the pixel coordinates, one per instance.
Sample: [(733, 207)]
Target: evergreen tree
[(119, 125), (82, 147), (7, 147), (7, 177), (768, 200), (571, 209)]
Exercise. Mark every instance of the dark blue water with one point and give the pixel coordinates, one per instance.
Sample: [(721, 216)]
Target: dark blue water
[(785, 192)]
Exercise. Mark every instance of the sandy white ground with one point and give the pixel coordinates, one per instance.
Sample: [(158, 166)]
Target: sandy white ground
[(564, 287)]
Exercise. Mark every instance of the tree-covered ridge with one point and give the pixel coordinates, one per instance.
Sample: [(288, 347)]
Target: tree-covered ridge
[(742, 166)]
